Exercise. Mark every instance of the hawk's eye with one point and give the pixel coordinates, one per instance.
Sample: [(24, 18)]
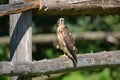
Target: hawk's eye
[(61, 19)]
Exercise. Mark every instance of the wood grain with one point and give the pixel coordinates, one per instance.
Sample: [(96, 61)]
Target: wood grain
[(64, 7), (106, 59), (20, 38)]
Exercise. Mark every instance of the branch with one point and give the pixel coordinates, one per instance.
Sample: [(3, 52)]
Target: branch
[(50, 38), (61, 64), (64, 7)]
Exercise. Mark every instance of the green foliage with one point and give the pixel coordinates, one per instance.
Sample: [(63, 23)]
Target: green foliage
[(74, 76), (4, 78), (3, 53), (103, 75)]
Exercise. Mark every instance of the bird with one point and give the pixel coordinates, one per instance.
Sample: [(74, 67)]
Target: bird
[(65, 41)]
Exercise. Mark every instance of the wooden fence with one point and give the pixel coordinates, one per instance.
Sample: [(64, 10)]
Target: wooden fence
[(113, 37), (21, 64)]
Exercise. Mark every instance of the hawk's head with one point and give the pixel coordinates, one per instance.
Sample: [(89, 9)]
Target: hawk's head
[(60, 22)]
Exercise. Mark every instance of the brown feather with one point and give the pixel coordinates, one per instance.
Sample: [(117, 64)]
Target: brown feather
[(69, 42)]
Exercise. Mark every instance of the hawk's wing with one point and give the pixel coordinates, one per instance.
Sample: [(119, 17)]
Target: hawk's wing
[(69, 42)]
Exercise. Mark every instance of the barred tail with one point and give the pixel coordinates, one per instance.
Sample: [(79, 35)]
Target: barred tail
[(73, 58)]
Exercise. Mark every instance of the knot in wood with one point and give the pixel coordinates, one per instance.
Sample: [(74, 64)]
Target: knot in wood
[(40, 3)]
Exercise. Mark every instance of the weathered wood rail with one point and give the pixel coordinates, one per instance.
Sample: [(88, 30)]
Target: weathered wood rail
[(113, 37), (61, 64), (64, 7)]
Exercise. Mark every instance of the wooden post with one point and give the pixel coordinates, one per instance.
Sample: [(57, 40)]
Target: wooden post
[(20, 39)]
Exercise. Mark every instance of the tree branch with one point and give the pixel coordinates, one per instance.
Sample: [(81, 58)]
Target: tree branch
[(62, 64), (64, 7), (50, 38)]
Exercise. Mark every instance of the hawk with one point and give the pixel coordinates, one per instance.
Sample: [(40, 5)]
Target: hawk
[(66, 41)]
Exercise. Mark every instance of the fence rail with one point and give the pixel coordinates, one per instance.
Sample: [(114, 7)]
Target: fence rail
[(61, 64), (64, 7), (113, 37)]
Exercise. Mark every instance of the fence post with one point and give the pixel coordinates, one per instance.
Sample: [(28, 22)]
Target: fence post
[(20, 38)]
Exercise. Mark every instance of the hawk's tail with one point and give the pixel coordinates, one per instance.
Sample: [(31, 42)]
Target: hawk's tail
[(73, 57)]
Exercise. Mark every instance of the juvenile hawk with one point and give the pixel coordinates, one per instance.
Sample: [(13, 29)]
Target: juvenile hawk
[(65, 41)]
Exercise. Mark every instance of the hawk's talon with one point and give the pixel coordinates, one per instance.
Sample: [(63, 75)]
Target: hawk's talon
[(64, 56)]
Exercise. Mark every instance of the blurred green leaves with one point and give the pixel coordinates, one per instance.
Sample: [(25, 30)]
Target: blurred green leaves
[(3, 53), (74, 76), (104, 74), (4, 78)]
